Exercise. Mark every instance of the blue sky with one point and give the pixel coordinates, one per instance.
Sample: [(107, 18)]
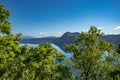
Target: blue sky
[(40, 18)]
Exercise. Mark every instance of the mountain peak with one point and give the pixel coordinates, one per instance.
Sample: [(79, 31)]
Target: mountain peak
[(70, 34)]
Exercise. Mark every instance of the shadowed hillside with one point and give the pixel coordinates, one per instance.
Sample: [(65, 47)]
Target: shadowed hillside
[(68, 38)]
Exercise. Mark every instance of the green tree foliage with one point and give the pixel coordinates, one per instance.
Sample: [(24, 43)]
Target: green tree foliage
[(92, 57), (38, 62), (8, 43), (89, 54), (115, 61), (25, 62), (118, 50)]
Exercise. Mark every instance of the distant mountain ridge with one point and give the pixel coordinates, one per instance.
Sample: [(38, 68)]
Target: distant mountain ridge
[(68, 38), (26, 37)]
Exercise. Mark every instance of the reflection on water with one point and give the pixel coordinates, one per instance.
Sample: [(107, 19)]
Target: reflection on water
[(68, 55)]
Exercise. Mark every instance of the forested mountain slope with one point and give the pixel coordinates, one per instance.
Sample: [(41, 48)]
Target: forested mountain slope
[(68, 38)]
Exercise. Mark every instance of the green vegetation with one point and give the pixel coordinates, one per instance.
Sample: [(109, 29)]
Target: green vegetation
[(92, 57), (89, 54), (28, 63)]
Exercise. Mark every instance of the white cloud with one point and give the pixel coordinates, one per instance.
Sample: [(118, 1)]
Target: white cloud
[(117, 28), (85, 30), (99, 28), (59, 34), (42, 33)]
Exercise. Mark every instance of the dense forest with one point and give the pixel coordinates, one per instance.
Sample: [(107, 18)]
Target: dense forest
[(92, 57)]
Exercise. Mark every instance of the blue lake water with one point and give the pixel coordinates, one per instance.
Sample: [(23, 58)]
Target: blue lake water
[(68, 55)]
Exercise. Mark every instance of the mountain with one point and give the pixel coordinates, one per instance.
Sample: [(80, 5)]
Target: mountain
[(69, 34), (38, 40), (115, 39), (26, 37), (68, 38)]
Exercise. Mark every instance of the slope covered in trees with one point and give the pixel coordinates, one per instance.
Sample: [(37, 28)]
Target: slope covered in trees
[(68, 38)]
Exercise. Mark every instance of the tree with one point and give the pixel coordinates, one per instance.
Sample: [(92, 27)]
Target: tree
[(38, 63), (115, 61), (118, 49), (25, 62), (89, 53), (8, 44)]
